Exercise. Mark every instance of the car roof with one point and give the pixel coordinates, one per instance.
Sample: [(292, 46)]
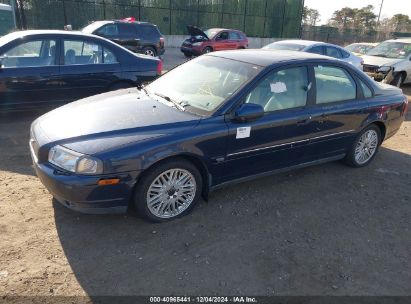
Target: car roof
[(266, 57), (218, 29), (364, 43), (300, 42), (20, 34), (405, 40)]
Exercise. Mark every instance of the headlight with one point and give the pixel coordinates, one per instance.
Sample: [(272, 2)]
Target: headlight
[(384, 69), (196, 43), (74, 162)]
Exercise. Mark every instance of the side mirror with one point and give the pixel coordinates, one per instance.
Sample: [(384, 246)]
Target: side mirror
[(248, 112)]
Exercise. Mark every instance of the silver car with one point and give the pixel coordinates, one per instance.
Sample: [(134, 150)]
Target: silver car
[(316, 47), (390, 62)]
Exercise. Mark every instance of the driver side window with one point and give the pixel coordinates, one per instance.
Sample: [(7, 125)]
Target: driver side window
[(223, 36), (281, 90), (30, 54)]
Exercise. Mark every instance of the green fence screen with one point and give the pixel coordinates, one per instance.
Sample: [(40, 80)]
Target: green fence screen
[(259, 18)]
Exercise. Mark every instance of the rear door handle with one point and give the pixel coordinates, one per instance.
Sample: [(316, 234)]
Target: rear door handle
[(304, 121)]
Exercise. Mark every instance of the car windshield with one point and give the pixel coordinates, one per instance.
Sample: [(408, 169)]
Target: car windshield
[(89, 29), (284, 46), (201, 85), (391, 49), (210, 33), (359, 48)]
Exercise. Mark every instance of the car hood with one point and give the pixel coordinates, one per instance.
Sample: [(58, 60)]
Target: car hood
[(195, 31), (106, 121), (379, 61)]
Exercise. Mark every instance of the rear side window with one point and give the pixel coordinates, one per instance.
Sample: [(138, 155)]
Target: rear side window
[(365, 89), (234, 36), (345, 54), (86, 52), (332, 52), (126, 30), (145, 31), (334, 84), (108, 30), (316, 50)]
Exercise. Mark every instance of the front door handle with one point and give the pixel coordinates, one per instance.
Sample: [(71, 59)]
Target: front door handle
[(304, 122)]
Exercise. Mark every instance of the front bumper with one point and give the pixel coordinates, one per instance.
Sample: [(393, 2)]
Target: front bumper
[(82, 193), (191, 50)]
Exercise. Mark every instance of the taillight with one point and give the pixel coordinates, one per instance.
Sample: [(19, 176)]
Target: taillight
[(406, 104), (161, 42), (159, 67)]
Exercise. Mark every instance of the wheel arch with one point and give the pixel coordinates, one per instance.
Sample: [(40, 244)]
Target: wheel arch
[(195, 160), (380, 124)]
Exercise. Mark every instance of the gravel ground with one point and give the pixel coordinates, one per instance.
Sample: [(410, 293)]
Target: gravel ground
[(323, 230)]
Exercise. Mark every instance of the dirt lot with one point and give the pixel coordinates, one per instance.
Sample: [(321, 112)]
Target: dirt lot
[(322, 230)]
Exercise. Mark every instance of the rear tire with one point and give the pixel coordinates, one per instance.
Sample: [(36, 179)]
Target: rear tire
[(364, 147), (168, 190), (148, 50)]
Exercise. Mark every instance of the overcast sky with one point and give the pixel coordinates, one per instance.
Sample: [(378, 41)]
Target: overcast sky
[(390, 7)]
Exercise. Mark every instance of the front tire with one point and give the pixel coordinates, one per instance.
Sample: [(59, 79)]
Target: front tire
[(207, 50), (365, 147), (168, 190), (398, 80), (187, 54)]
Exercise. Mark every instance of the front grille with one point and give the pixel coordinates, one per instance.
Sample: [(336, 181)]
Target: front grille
[(186, 44), (370, 68)]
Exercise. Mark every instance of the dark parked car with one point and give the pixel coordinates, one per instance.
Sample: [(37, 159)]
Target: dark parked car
[(138, 37), (214, 39), (221, 118), (43, 68)]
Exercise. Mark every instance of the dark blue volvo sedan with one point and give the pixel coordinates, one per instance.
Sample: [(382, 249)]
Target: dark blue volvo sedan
[(220, 118), (44, 68)]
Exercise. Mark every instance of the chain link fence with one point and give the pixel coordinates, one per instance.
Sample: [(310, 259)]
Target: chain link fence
[(258, 18)]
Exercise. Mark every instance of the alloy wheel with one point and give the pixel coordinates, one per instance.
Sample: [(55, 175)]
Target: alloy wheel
[(366, 146), (149, 52), (171, 193)]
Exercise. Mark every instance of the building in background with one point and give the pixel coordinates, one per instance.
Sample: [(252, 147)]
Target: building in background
[(7, 19)]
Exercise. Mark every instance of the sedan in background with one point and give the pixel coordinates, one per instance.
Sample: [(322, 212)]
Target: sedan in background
[(390, 62), (214, 39), (221, 118), (316, 47), (359, 49), (47, 68)]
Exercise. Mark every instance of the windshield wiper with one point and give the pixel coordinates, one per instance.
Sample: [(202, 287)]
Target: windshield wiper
[(176, 104)]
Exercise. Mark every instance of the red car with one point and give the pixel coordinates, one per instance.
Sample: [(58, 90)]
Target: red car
[(213, 39)]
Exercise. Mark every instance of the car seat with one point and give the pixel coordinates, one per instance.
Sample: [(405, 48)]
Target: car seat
[(70, 57)]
